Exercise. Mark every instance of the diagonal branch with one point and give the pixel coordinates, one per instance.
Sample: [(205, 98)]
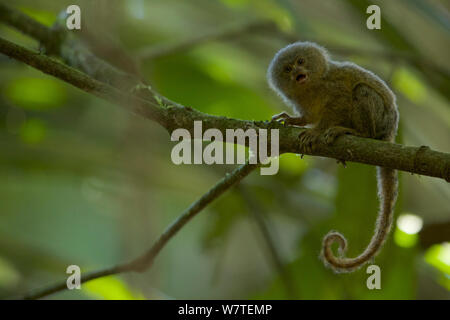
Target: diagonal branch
[(27, 25), (115, 86), (145, 261), (420, 160)]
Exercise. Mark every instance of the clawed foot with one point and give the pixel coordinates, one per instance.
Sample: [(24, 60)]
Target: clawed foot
[(288, 120), (331, 134), (283, 116), (309, 139)]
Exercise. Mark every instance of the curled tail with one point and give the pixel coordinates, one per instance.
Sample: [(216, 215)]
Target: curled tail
[(387, 193)]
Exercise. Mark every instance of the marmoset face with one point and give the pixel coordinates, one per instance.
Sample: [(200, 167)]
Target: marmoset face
[(296, 66)]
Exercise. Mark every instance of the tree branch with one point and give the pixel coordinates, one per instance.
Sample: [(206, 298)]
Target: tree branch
[(145, 261), (420, 160), (172, 115)]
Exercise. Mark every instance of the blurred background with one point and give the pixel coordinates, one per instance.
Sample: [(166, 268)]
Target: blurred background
[(84, 182)]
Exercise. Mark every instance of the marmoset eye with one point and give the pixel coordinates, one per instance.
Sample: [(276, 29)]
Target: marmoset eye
[(288, 69), (300, 61)]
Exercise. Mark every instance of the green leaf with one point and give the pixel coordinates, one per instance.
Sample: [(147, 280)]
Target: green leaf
[(9, 276), (110, 288), (44, 17), (36, 93), (439, 256), (410, 85)]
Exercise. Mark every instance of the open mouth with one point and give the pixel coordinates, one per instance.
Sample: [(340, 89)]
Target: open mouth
[(301, 77)]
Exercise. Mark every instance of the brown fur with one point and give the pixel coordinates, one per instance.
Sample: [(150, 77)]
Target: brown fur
[(337, 98)]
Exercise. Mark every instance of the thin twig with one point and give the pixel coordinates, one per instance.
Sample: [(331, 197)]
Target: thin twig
[(145, 261), (27, 25), (260, 216), (182, 46)]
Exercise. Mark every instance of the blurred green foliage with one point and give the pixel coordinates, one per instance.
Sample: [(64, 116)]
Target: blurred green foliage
[(36, 93), (110, 288)]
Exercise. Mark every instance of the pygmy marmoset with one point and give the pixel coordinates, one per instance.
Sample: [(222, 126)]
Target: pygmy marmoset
[(337, 98)]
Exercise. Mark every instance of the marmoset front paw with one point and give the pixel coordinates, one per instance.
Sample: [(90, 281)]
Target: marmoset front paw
[(309, 139), (331, 134), (288, 120)]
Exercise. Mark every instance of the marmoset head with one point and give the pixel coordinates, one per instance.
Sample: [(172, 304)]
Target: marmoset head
[(296, 66)]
